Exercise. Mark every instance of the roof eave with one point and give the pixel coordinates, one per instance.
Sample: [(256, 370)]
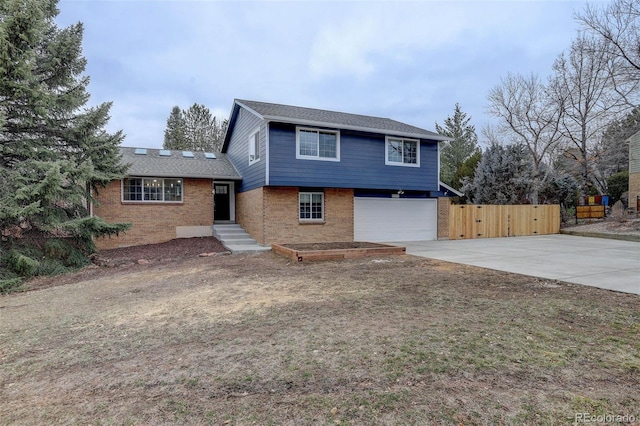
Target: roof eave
[(435, 137), (184, 176), (448, 188)]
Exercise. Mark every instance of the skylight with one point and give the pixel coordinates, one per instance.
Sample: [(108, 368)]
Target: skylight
[(210, 155), (165, 153), (140, 151), (187, 154)]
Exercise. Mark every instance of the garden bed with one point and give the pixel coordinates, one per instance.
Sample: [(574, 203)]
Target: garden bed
[(335, 250)]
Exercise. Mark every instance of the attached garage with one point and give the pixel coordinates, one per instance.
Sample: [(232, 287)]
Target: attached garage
[(395, 219)]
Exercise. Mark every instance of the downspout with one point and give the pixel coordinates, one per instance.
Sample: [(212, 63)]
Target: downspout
[(89, 201), (266, 177), (266, 154), (438, 145)]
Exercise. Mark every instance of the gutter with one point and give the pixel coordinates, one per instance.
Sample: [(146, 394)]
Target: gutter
[(434, 137)]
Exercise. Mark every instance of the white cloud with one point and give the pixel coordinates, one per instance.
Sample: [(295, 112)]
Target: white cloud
[(411, 61), (344, 48)]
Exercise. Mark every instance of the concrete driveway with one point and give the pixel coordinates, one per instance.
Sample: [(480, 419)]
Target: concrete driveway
[(597, 262)]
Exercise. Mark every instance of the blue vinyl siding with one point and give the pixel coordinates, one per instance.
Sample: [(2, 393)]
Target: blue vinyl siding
[(361, 165), (253, 176)]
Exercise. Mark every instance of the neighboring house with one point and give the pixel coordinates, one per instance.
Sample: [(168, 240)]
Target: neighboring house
[(315, 175), (634, 171), (287, 174), (167, 195)]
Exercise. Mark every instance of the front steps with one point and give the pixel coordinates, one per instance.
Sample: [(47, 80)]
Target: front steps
[(236, 239)]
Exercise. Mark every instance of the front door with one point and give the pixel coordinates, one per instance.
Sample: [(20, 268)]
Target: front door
[(221, 202)]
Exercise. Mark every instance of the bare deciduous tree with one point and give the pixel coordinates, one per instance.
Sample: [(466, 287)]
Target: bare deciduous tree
[(588, 99), (619, 25), (528, 116)]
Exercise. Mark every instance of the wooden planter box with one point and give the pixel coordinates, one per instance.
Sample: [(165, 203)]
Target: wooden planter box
[(335, 251), (590, 212)]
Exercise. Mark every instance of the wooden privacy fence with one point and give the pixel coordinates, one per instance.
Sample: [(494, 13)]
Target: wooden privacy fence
[(486, 221)]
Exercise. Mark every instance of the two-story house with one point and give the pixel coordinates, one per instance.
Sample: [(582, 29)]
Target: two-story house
[(291, 174), (315, 175)]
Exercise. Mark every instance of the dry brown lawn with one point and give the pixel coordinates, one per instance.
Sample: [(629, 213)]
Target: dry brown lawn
[(259, 339)]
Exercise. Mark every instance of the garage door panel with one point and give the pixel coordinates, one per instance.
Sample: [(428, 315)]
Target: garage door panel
[(395, 219)]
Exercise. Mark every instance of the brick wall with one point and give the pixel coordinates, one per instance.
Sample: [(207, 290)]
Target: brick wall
[(250, 212), (634, 170), (154, 222), (443, 217), (270, 215), (634, 189)]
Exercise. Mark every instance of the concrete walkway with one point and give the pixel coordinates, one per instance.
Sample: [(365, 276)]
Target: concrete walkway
[(598, 262)]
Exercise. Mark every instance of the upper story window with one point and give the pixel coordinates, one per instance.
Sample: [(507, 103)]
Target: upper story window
[(314, 144), (254, 147), (152, 190), (402, 152)]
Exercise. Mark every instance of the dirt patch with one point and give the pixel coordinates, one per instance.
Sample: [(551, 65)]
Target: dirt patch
[(260, 339), (607, 226), (173, 250), (134, 258)]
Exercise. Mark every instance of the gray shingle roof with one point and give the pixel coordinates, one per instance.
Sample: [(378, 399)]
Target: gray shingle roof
[(341, 120), (176, 165)]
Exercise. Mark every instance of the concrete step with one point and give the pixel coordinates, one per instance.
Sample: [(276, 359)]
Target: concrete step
[(228, 230), (239, 240), (246, 248), (231, 235), (236, 239)]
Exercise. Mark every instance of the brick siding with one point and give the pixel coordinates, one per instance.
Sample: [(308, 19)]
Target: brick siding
[(250, 213), (270, 215), (444, 204), (634, 190), (154, 222)]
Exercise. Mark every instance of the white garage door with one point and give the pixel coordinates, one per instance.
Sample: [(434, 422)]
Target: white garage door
[(395, 219)]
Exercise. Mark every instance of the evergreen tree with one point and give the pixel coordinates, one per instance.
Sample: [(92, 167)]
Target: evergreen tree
[(618, 184), (612, 153), (219, 130), (54, 152), (198, 123), (174, 135), (464, 144), (503, 176), (467, 169), (194, 129)]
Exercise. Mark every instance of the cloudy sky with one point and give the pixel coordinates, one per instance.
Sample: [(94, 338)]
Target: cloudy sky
[(406, 60)]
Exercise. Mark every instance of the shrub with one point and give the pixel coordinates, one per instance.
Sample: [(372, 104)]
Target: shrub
[(61, 249), (21, 264), (24, 260), (617, 184), (8, 281), (51, 267)]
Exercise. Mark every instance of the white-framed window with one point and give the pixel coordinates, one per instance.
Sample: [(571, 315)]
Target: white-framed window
[(254, 147), (316, 144), (402, 152), (156, 190), (311, 206)]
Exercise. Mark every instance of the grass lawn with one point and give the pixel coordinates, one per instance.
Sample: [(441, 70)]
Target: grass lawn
[(259, 339)]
